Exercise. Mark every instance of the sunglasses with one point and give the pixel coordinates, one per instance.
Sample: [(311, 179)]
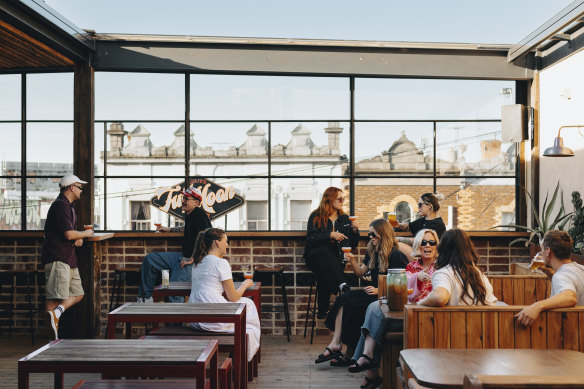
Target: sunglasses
[(372, 235), (428, 242), (420, 204), (78, 187)]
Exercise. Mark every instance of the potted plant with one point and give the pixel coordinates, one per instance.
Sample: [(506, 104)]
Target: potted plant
[(543, 222), (577, 230)]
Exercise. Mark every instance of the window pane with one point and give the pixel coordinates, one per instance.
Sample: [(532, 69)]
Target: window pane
[(140, 215), (229, 149), (10, 107), (145, 149), (400, 99), (10, 153), (301, 196), (139, 96), (375, 197), (50, 143), (404, 148), (252, 190), (476, 204), (474, 148), (313, 148), (122, 193), (257, 215), (49, 96), (10, 206), (219, 97)]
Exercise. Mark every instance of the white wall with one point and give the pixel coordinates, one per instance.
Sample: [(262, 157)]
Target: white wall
[(561, 104)]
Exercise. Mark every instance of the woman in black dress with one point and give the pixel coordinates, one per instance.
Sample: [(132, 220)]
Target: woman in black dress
[(329, 229), (348, 312), (428, 206)]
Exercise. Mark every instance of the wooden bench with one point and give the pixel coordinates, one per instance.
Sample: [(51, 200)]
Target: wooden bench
[(520, 289), (492, 327), (225, 341)]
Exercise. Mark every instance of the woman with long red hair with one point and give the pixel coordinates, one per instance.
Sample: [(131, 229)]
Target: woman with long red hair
[(329, 229)]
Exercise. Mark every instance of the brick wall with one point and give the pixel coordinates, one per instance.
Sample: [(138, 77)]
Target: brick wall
[(24, 254)]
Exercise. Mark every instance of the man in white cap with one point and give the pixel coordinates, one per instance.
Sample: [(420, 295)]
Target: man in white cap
[(179, 264), (63, 284)]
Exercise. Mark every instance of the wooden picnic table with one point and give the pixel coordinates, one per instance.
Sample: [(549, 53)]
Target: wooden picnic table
[(183, 288), (189, 313), (446, 368), (123, 358)]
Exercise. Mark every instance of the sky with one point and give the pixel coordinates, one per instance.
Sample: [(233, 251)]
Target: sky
[(485, 21)]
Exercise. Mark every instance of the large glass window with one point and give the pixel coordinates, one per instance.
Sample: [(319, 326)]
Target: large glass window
[(277, 142)]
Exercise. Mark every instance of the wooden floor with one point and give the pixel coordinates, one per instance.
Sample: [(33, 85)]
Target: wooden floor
[(284, 365)]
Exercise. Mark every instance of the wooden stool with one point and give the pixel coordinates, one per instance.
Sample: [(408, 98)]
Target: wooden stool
[(311, 309), (277, 272)]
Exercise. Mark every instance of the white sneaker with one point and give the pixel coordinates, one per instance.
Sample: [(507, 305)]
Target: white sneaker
[(139, 300), (149, 300)]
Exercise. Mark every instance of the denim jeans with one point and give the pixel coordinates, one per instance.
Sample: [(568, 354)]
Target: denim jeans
[(375, 325), (151, 270)]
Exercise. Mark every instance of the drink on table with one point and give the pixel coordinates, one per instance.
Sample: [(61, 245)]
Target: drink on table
[(88, 226), (165, 278), (397, 289), (536, 262)]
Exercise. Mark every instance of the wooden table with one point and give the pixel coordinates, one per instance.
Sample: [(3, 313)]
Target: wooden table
[(390, 315), (189, 313), (122, 358), (446, 368), (183, 288)]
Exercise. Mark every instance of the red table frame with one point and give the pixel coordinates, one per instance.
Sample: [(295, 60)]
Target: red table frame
[(123, 315), (183, 288), (208, 358)]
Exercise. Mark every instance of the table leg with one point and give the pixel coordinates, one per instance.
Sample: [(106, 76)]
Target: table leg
[(243, 350), (111, 328), (214, 370), (58, 378), (22, 378), (128, 330)]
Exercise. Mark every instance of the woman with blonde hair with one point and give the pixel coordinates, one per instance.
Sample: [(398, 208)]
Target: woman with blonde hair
[(212, 276), (329, 229), (348, 312), (420, 271)]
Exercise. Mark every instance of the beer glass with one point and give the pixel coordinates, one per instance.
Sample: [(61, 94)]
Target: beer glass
[(392, 218), (536, 262), (247, 273)]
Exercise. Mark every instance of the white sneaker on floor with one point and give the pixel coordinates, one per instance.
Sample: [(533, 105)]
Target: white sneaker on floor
[(139, 300), (148, 300)]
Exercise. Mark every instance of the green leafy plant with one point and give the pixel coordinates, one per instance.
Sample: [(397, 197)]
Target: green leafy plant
[(544, 221), (577, 230)]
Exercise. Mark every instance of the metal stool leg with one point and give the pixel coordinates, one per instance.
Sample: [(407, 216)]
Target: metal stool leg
[(30, 312), (314, 314), (286, 311), (308, 309), (11, 306)]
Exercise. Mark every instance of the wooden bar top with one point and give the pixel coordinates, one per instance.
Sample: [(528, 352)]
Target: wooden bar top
[(179, 309), (99, 236), (119, 351), (184, 285), (446, 368)]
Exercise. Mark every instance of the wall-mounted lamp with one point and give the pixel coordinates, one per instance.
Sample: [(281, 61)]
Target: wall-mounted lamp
[(558, 149)]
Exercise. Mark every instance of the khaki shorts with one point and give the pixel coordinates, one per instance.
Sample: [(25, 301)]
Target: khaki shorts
[(62, 281)]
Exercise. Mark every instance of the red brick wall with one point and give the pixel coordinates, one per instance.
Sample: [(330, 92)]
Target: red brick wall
[(24, 253)]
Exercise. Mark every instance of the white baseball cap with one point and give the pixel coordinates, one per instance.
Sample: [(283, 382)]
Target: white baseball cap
[(70, 179)]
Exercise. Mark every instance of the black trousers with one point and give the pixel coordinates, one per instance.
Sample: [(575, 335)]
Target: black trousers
[(328, 271)]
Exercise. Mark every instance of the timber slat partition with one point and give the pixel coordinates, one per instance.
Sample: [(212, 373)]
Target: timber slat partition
[(520, 289), (492, 327)]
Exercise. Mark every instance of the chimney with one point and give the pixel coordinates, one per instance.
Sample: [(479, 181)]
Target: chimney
[(334, 132), (117, 134), (490, 148)]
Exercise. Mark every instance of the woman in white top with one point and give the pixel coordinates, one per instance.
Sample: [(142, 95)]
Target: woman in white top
[(457, 280), (212, 276)]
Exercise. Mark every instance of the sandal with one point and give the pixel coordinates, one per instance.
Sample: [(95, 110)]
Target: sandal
[(356, 368), (372, 383), (332, 355), (342, 361)]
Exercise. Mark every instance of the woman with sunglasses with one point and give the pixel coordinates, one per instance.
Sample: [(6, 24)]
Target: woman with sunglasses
[(428, 206), (211, 277), (420, 271), (347, 314), (329, 229), (457, 280)]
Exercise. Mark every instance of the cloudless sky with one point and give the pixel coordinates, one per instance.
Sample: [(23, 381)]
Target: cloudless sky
[(485, 21)]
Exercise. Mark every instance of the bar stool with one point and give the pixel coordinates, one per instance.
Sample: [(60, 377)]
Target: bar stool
[(276, 273), (12, 279), (123, 276), (312, 309)]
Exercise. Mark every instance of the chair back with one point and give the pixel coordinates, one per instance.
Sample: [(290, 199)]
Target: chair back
[(382, 285)]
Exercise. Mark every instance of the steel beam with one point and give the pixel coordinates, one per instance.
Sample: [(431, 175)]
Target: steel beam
[(312, 58)]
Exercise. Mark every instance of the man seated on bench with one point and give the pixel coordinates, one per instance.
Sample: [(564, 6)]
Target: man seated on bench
[(567, 277)]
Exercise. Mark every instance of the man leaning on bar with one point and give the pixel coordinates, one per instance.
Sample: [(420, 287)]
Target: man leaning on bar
[(179, 264), (567, 277)]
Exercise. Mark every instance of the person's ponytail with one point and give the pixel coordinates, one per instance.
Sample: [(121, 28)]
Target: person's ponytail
[(204, 242)]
